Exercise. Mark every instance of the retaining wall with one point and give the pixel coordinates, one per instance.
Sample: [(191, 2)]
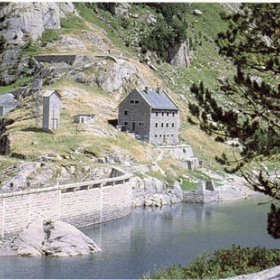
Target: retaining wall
[(205, 192), (69, 59), (80, 204)]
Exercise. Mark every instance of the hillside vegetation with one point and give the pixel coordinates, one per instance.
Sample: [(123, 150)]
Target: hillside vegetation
[(95, 32)]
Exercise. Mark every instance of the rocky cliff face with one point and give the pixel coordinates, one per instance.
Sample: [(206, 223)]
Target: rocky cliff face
[(181, 55), (22, 23), (24, 20)]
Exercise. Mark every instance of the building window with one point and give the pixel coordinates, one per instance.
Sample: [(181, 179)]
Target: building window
[(167, 114), (132, 101), (125, 123), (167, 124), (160, 135), (141, 124), (156, 114), (162, 124), (126, 112), (162, 113), (156, 124), (156, 135), (173, 124)]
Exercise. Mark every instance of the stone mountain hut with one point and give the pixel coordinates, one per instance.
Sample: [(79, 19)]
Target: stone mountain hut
[(151, 115), (51, 110)]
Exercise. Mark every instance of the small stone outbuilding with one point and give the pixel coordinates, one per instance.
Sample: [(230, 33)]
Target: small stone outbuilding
[(152, 115), (84, 118), (51, 110)]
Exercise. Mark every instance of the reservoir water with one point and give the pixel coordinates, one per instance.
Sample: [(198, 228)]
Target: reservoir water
[(150, 239)]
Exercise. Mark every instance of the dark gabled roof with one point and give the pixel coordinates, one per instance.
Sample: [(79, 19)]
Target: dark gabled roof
[(158, 99)]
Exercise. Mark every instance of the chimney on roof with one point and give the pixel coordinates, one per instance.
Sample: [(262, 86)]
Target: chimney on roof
[(146, 90)]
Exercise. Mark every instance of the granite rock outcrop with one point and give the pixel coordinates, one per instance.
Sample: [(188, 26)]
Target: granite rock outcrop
[(50, 238)]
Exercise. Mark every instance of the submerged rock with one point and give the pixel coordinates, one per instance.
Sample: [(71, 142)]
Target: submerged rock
[(51, 238)]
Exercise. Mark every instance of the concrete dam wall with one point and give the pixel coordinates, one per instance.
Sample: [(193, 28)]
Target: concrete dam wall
[(80, 204)]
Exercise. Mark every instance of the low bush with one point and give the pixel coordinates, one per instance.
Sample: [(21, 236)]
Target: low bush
[(224, 263)]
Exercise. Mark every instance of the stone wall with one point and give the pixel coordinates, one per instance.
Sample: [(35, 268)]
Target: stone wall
[(205, 192), (79, 204), (69, 59)]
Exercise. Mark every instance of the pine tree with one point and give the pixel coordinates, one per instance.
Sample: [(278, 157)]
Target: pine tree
[(252, 111)]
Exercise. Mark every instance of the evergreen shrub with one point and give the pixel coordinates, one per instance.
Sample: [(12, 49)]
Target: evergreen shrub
[(224, 263)]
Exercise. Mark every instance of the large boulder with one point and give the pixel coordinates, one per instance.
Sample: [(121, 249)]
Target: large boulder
[(64, 240), (51, 238), (30, 240), (197, 12)]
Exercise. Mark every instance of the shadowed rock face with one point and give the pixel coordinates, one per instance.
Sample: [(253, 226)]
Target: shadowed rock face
[(50, 238)]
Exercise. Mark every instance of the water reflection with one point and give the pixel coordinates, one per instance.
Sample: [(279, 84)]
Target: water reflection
[(153, 238)]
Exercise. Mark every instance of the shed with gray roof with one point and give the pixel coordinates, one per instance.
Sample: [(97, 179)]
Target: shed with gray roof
[(84, 118), (51, 110), (151, 114)]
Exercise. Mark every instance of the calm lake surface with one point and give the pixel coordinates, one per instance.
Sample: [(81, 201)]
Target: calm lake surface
[(150, 239)]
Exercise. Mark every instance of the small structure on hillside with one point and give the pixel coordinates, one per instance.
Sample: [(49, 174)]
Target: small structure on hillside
[(84, 118), (151, 114), (51, 110), (7, 103)]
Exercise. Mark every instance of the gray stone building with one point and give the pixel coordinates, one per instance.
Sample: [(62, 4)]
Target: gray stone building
[(51, 110), (151, 115)]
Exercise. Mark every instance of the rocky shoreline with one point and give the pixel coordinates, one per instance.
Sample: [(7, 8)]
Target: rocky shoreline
[(232, 187)]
